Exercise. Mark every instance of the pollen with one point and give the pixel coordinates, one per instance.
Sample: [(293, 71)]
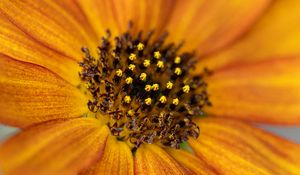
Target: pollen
[(163, 99), (132, 57), (140, 46), (130, 112), (178, 71), (175, 101), (119, 73), (146, 63), (131, 67), (169, 85), (160, 64), (113, 54), (127, 99), (148, 101), (128, 80), (157, 55), (142, 88), (148, 88), (177, 60), (186, 89), (143, 76), (155, 87)]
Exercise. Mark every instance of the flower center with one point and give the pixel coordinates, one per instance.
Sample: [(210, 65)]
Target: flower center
[(144, 90)]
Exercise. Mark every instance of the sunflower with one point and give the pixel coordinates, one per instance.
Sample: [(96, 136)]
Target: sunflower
[(149, 87)]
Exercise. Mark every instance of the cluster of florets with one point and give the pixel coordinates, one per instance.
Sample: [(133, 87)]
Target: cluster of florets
[(145, 88)]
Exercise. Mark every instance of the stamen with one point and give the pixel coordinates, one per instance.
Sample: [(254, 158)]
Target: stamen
[(163, 99), (127, 99), (143, 76), (119, 73), (131, 67), (148, 101), (148, 88), (130, 113), (186, 89), (140, 46), (160, 64), (177, 60), (157, 55), (178, 71), (169, 85), (155, 87), (175, 101), (128, 80), (146, 63), (132, 57)]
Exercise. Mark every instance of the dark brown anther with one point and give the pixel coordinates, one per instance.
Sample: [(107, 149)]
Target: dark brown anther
[(92, 107), (108, 33), (152, 137), (130, 25)]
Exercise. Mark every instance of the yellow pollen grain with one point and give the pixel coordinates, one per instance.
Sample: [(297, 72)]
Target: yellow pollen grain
[(127, 99), (148, 101), (157, 55), (128, 80), (140, 46), (88, 85), (155, 87), (175, 101), (163, 99), (146, 63), (143, 76), (113, 54), (131, 67), (119, 73), (130, 112), (169, 85), (132, 57), (178, 71), (160, 64), (186, 89), (186, 120), (177, 60), (148, 88)]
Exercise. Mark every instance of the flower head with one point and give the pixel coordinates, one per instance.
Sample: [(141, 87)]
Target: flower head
[(139, 101), (144, 110)]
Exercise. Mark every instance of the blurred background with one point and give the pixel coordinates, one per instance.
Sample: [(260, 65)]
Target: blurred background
[(291, 133)]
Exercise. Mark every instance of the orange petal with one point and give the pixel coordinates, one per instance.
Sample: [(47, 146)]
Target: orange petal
[(267, 91), (236, 148), (209, 26), (151, 159), (146, 14), (115, 14), (73, 9), (117, 159), (18, 45), (56, 147), (275, 35), (191, 162), (31, 94), (49, 24)]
